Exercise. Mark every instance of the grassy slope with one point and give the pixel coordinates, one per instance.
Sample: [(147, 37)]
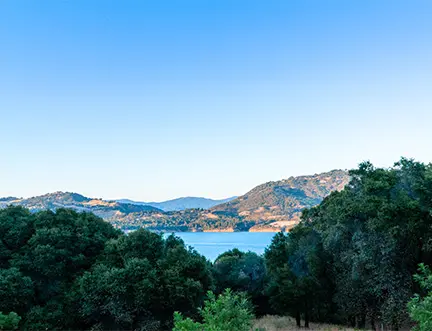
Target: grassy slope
[(277, 323)]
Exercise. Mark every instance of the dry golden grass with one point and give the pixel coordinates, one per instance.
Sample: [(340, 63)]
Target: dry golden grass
[(278, 323)]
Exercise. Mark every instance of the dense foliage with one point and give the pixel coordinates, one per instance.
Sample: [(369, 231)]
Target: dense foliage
[(140, 281), (362, 245), (9, 321), (243, 272), (298, 275), (68, 270), (420, 308), (41, 256)]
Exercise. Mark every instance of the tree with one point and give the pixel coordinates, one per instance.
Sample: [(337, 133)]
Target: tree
[(242, 272), (16, 291), (297, 271), (9, 321), (227, 312), (16, 228)]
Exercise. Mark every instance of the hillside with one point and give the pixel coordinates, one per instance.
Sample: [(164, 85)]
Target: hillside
[(280, 203), (180, 203), (272, 206), (78, 202)]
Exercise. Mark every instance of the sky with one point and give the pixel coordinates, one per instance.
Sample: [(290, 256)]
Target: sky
[(153, 100)]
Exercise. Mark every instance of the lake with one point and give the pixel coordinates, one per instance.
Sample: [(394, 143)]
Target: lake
[(212, 244)]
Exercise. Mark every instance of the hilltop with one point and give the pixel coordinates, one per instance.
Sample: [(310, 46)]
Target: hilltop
[(78, 202)]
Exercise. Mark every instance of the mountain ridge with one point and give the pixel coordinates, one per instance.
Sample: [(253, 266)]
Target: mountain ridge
[(181, 203)]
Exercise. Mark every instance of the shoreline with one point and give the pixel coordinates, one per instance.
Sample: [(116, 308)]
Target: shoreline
[(206, 231)]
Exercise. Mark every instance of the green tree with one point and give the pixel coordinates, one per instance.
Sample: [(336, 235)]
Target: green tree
[(9, 321), (16, 228), (298, 284), (420, 308), (242, 272), (226, 312), (16, 291)]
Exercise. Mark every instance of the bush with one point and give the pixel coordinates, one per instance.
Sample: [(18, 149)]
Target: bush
[(226, 313), (420, 309)]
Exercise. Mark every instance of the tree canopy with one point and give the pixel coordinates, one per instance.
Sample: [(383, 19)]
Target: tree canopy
[(243, 272)]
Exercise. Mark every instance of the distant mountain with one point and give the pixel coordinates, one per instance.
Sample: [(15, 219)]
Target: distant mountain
[(180, 203), (78, 202)]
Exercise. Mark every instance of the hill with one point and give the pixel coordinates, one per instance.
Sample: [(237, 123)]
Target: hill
[(78, 202), (280, 203), (180, 203)]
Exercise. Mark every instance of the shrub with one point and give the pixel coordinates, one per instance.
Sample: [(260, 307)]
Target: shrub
[(226, 313), (420, 309)]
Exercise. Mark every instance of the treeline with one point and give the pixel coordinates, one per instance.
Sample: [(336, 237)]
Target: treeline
[(182, 221), (350, 261)]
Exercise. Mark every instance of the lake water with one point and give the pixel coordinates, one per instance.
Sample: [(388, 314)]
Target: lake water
[(212, 244)]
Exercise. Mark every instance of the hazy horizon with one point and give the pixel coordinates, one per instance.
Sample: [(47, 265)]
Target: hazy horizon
[(151, 101)]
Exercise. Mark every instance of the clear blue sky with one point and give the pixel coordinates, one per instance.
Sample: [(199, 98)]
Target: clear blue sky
[(153, 100)]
